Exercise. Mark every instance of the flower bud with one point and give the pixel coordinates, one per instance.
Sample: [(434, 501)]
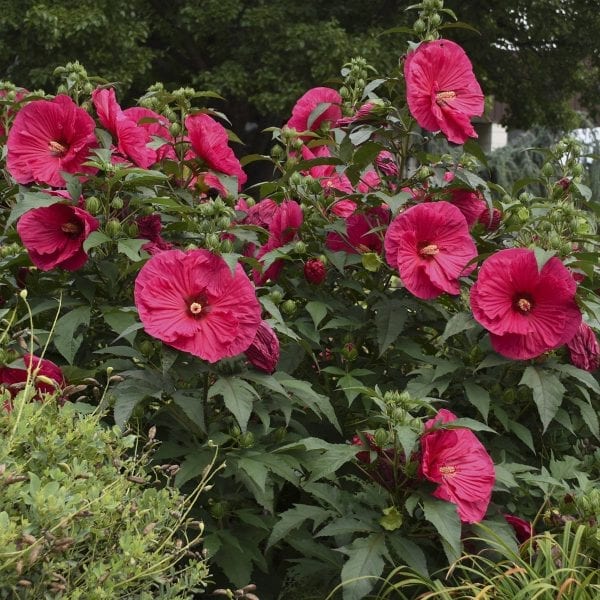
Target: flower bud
[(113, 228), (315, 271), (263, 352), (133, 230), (296, 179), (246, 440), (381, 437), (289, 307), (523, 214), (435, 19), (371, 261), (93, 205), (419, 26), (300, 247), (276, 296), (547, 170), (349, 352), (175, 129)]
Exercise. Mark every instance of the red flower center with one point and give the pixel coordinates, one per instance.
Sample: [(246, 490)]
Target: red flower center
[(56, 148), (442, 97), (427, 250), (447, 470), (197, 306), (523, 303), (71, 228)]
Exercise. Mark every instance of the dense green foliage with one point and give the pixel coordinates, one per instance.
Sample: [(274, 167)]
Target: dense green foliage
[(79, 518)]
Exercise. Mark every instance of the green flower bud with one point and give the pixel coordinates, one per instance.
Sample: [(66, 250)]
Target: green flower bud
[(175, 129), (547, 170), (419, 26), (113, 228), (236, 431), (147, 348), (226, 246), (523, 214), (133, 230), (212, 241), (277, 152), (577, 170), (349, 352), (247, 440), (509, 396), (435, 19), (218, 510), (116, 203), (344, 92), (381, 437), (289, 307), (93, 205), (300, 247)]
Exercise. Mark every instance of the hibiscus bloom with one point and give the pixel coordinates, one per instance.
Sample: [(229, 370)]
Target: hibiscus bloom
[(442, 91), (470, 204), (263, 352), (313, 100), (431, 247), (362, 232), (193, 302), (283, 228), (47, 137), (155, 126), (210, 143), (522, 528), (131, 139), (527, 311), (14, 379), (149, 228), (54, 235), (457, 461), (584, 348)]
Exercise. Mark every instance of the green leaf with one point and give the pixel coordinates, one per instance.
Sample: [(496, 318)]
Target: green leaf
[(469, 424), (352, 387), (364, 565), (344, 526), (589, 416), (584, 376), (238, 396), (96, 238), (294, 517), (410, 553), (522, 433), (129, 394), (27, 201), (471, 146), (132, 248), (547, 391), (458, 323), (444, 517), (478, 397), (317, 310), (68, 335), (407, 438), (192, 406), (389, 320)]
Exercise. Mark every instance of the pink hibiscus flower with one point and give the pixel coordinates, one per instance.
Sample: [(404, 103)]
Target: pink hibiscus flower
[(54, 235), (313, 100), (363, 232), (47, 137), (442, 91), (584, 348), (386, 163), (457, 461), (193, 302), (527, 311), (263, 352), (522, 528), (283, 228), (470, 204), (155, 126), (210, 143), (430, 245), (131, 139), (14, 379)]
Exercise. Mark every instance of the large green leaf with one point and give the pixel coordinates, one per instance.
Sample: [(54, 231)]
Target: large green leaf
[(547, 391), (238, 396), (389, 320), (364, 565), (68, 334), (294, 517), (444, 517)]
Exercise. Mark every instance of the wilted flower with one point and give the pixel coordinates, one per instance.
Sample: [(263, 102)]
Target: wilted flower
[(54, 235), (149, 228), (441, 89), (47, 137), (431, 247), (263, 352), (584, 348), (527, 310), (457, 461), (193, 302)]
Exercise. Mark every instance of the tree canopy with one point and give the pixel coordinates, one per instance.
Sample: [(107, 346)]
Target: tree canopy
[(535, 55)]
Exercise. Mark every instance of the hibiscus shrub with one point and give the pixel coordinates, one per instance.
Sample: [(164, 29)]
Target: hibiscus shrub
[(390, 351)]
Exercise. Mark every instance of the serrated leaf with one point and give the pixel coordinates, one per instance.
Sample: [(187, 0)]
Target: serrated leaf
[(547, 391), (352, 387), (68, 335), (542, 257), (238, 396), (192, 406), (27, 201), (478, 397), (458, 323), (344, 526), (444, 517), (584, 376), (523, 434), (389, 320), (132, 248), (589, 416), (410, 553), (294, 517), (129, 394), (364, 565)]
